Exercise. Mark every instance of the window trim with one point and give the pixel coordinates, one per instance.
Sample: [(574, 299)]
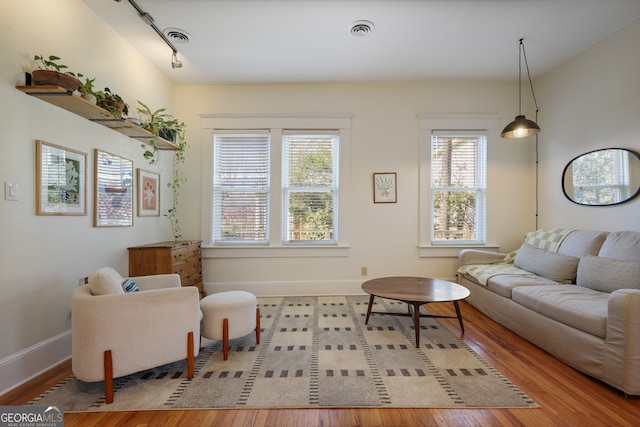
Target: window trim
[(430, 123), (276, 124)]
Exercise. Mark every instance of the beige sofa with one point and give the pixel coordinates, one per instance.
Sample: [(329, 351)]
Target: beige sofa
[(575, 294)]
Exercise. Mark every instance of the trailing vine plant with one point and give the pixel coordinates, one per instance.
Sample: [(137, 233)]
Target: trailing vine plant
[(178, 181), (164, 125)]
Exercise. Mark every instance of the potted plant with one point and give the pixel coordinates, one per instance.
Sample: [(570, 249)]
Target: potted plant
[(86, 90), (113, 103), (161, 125), (49, 73), (164, 125)]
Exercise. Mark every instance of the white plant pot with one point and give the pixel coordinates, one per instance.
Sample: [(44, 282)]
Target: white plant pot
[(89, 97)]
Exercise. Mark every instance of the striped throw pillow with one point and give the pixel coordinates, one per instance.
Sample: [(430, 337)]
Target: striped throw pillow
[(129, 285)]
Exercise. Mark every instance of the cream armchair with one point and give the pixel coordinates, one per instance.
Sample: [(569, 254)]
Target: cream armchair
[(117, 333)]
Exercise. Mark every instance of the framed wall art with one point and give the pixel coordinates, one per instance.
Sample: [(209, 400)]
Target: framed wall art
[(148, 193), (61, 180), (384, 187), (113, 204)]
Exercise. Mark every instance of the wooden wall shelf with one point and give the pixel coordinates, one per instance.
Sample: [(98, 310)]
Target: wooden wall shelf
[(74, 103)]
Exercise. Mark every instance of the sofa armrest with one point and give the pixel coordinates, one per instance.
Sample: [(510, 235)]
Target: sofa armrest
[(142, 329), (157, 281), (622, 350), (478, 256)]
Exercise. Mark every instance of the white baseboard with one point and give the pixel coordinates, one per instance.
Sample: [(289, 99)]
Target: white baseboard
[(20, 367), (291, 288)]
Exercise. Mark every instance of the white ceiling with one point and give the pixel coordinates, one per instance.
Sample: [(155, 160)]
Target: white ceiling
[(308, 41)]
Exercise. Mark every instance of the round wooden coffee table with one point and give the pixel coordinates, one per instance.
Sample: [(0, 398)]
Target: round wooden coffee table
[(415, 291)]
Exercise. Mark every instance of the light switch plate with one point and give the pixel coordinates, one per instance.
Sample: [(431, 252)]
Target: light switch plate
[(10, 191)]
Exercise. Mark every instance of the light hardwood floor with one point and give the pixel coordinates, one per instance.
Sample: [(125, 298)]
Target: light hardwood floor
[(566, 397)]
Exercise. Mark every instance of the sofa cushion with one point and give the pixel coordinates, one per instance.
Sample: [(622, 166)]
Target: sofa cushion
[(579, 243), (575, 306), (607, 274), (624, 245), (503, 284), (557, 267), (105, 281)]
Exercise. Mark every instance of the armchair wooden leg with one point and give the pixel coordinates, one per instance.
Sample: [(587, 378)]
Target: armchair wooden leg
[(108, 376), (258, 325), (225, 338), (190, 356)]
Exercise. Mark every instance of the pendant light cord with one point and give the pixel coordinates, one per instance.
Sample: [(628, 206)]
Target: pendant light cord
[(533, 94), (537, 162), (522, 53)]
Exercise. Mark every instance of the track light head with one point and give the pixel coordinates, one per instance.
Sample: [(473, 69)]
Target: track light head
[(175, 63)]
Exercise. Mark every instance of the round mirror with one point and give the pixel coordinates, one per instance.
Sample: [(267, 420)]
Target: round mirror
[(605, 177)]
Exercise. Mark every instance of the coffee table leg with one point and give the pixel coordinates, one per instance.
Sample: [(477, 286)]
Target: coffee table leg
[(455, 303), (369, 309), (416, 323)]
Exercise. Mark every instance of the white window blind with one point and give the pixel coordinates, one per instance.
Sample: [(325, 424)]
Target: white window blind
[(458, 187), (310, 186), (241, 188)]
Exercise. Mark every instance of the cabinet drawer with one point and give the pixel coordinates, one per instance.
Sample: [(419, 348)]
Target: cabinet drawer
[(194, 279), (187, 266), (187, 252)]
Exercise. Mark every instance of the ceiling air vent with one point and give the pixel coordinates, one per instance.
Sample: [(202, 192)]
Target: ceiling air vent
[(361, 28), (177, 35)]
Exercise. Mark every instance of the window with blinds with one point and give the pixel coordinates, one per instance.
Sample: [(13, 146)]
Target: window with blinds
[(458, 187), (241, 180), (310, 186)]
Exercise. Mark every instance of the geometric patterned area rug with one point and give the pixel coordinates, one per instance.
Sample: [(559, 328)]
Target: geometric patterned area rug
[(315, 352)]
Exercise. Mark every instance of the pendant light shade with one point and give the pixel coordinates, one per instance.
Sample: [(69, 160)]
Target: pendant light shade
[(521, 127)]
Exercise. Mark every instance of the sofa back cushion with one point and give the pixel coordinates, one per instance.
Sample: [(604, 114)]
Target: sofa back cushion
[(105, 281), (554, 266), (607, 274), (623, 245), (579, 243)]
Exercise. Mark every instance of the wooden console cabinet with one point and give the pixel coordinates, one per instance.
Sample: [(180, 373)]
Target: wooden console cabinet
[(181, 257)]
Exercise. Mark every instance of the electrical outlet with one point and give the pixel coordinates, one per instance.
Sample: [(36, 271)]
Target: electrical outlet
[(363, 271)]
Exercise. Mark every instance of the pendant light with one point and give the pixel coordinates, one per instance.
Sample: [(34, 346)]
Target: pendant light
[(522, 127)]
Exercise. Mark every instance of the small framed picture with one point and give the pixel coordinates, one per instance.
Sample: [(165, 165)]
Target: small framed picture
[(113, 205), (148, 193), (384, 187), (61, 177)]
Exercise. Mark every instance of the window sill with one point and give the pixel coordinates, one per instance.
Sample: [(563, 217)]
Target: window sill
[(451, 251), (296, 251)]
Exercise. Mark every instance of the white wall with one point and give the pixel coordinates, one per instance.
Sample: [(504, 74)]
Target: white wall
[(42, 257), (384, 138), (590, 102)]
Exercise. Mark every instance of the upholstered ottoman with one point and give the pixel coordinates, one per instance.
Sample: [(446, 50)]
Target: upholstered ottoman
[(229, 315)]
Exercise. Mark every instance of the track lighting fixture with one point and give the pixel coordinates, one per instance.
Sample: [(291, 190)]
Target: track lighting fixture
[(148, 19)]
